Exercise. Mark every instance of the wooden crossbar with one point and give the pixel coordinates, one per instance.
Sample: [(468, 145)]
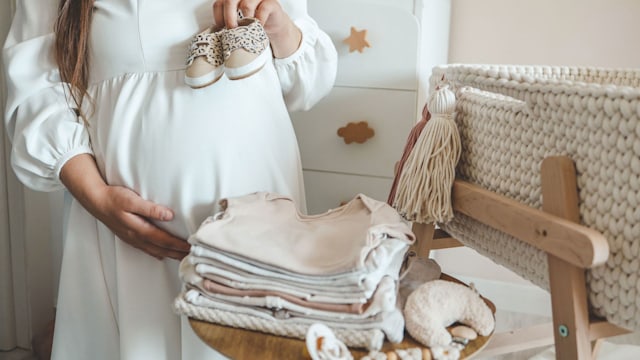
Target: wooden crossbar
[(574, 243)]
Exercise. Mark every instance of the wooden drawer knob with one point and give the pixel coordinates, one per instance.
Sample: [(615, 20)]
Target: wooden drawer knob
[(357, 40), (356, 132)]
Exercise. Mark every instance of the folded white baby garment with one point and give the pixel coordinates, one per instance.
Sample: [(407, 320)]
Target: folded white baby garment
[(267, 228), (214, 287), (383, 300), (391, 323), (195, 274), (385, 259)]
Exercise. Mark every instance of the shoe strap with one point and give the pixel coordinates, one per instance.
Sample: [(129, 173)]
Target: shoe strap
[(208, 45), (250, 37)]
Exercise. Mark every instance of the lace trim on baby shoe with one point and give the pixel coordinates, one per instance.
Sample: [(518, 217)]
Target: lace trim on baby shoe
[(206, 44), (251, 37)]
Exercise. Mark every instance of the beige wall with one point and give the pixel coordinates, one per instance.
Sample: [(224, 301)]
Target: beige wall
[(553, 32)]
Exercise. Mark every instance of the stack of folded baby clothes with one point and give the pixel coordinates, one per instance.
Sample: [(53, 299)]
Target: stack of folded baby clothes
[(261, 265)]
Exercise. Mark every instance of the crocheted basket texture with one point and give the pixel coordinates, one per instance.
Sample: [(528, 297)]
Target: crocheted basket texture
[(510, 118)]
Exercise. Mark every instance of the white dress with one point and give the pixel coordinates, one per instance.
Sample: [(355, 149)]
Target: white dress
[(173, 145)]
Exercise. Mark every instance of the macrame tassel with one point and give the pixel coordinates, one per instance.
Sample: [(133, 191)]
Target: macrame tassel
[(424, 190), (414, 134)]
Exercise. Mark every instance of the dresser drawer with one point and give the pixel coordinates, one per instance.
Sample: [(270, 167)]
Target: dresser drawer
[(390, 114), (326, 191), (391, 31)]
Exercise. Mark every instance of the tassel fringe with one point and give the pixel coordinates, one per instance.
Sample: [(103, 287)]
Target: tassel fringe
[(414, 134), (423, 193)]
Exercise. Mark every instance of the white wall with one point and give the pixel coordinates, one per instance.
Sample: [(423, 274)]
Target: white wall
[(31, 236), (544, 32), (8, 338)]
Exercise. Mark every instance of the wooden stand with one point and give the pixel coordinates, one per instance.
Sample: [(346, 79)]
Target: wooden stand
[(571, 249), (246, 344)]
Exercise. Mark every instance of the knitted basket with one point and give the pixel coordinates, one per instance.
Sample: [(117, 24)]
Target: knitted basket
[(510, 118)]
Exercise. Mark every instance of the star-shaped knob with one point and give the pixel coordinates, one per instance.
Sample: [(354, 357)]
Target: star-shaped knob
[(357, 40)]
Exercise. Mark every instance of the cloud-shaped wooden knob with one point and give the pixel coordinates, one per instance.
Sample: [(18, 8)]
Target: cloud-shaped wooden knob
[(356, 132)]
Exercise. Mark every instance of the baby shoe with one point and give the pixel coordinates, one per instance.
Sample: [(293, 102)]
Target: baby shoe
[(245, 49), (205, 61)]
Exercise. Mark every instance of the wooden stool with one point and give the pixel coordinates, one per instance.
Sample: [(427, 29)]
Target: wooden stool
[(246, 344)]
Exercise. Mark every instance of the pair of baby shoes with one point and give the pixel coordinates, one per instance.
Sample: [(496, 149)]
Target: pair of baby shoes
[(239, 52)]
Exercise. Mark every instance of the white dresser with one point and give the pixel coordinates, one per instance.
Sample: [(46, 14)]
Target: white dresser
[(379, 92)]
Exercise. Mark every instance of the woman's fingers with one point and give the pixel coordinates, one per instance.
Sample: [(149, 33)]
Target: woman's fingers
[(133, 203), (230, 13), (218, 12), (156, 251), (141, 234), (263, 12), (152, 234), (248, 7), (130, 221), (152, 211), (226, 11)]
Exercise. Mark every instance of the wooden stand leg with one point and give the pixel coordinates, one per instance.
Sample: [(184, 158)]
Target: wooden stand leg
[(424, 239), (595, 347), (570, 312), (567, 282)]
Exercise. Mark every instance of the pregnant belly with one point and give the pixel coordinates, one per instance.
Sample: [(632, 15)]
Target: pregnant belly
[(186, 149), (190, 172)]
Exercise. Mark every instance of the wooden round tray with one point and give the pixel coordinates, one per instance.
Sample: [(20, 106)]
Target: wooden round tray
[(246, 344)]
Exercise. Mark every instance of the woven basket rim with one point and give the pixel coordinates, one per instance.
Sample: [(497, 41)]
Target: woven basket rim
[(544, 79)]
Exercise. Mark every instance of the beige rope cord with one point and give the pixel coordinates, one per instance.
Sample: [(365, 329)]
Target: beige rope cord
[(369, 339), (510, 118)]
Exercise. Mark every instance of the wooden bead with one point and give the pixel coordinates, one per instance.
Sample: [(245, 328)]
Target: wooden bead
[(391, 355), (426, 354), (464, 332)]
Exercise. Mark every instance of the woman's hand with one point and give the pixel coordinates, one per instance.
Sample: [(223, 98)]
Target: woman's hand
[(123, 211), (127, 215), (284, 35)]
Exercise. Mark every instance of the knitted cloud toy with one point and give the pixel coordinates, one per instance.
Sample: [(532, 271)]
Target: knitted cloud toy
[(439, 303)]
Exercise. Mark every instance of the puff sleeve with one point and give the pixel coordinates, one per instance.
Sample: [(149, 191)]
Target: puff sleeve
[(44, 131), (308, 74)]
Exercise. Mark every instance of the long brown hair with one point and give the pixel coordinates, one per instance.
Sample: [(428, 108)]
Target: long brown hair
[(71, 47)]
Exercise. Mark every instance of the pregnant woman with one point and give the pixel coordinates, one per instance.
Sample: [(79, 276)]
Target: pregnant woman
[(97, 104)]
